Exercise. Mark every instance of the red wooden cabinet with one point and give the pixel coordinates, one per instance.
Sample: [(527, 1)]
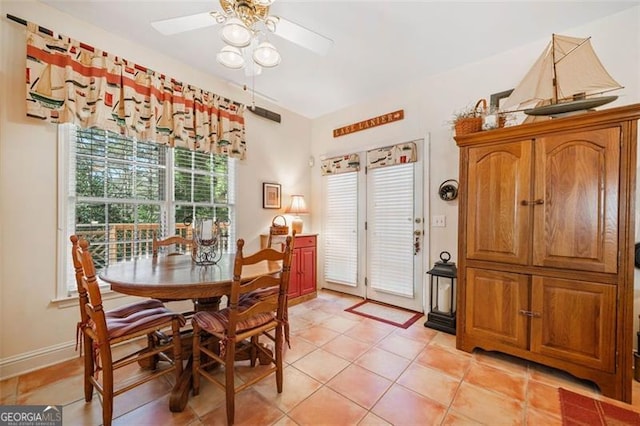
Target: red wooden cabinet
[(302, 285), (303, 267)]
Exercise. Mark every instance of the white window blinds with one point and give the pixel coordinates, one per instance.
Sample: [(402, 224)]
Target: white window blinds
[(341, 229), (390, 216)]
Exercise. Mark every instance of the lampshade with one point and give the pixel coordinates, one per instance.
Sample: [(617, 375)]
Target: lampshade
[(298, 206), (230, 57), (235, 33), (266, 55)]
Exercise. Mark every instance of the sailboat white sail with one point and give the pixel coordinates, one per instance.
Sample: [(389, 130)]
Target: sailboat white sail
[(567, 74)]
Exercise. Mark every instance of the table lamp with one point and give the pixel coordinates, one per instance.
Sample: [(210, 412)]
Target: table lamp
[(296, 208)]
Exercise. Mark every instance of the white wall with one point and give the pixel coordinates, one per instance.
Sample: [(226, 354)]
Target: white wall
[(28, 199), (429, 105)]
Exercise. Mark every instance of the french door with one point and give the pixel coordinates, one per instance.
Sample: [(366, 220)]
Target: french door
[(394, 235), (373, 228)]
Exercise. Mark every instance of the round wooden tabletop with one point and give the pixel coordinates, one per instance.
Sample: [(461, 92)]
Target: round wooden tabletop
[(178, 277)]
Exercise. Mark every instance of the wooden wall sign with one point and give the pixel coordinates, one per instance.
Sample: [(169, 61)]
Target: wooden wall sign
[(369, 123)]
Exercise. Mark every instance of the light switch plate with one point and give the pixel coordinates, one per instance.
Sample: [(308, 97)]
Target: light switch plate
[(439, 221)]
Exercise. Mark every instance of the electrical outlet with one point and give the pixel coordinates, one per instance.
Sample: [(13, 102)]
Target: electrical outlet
[(439, 221)]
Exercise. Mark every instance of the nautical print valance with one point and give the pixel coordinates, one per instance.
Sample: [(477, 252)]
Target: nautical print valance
[(70, 82), (343, 164), (392, 155)]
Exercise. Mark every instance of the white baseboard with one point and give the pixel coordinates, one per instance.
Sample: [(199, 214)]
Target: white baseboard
[(34, 360)]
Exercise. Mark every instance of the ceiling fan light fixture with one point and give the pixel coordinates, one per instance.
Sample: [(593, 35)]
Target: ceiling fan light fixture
[(266, 55), (230, 57), (235, 33)]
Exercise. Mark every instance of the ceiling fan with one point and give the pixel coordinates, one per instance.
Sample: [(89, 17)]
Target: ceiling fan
[(253, 14)]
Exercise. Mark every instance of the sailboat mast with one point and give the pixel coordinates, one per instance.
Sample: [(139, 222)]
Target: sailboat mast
[(554, 76)]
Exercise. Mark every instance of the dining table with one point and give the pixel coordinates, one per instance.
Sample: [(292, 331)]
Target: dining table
[(180, 278)]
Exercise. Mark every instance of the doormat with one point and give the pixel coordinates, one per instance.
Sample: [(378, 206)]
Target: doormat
[(387, 314), (582, 410)]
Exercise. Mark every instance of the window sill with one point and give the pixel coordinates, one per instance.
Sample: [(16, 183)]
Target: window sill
[(72, 301)]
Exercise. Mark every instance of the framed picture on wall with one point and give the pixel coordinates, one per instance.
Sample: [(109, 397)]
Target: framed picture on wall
[(271, 195)]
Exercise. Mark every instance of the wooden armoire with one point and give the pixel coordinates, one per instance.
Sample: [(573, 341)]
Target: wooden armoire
[(545, 248)]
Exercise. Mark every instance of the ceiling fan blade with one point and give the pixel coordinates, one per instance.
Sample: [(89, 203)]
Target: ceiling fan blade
[(302, 36), (184, 23)]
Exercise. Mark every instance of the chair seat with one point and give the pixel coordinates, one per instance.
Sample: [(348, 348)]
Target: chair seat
[(217, 322), (132, 318)]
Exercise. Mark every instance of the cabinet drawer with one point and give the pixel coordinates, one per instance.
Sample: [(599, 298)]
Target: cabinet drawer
[(305, 241)]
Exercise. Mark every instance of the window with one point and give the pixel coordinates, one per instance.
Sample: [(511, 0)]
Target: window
[(117, 191)]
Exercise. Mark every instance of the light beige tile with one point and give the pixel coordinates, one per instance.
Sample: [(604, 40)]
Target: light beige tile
[(318, 335), (454, 418), (452, 362), (346, 347), (417, 332), (482, 405), (156, 412), (431, 383), (251, 409), (403, 346), (339, 324), (535, 417), (296, 387), (400, 406), (383, 363), (327, 407), (366, 332), (321, 365), (510, 385), (372, 420), (360, 385), (299, 348)]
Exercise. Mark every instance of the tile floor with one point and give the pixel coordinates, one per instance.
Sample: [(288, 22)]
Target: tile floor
[(342, 369)]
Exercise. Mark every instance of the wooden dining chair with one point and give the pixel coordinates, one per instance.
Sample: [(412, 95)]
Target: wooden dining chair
[(181, 245), (239, 326), (102, 329)]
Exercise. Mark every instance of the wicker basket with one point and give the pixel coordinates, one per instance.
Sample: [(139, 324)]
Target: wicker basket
[(472, 124), (277, 229)]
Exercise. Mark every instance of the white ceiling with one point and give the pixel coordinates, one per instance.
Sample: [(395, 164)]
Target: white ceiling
[(378, 45)]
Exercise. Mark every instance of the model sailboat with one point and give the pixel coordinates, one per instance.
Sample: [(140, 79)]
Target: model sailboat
[(564, 80)]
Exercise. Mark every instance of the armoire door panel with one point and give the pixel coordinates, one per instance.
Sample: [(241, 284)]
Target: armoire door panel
[(498, 223), (574, 321), (494, 304), (577, 179)]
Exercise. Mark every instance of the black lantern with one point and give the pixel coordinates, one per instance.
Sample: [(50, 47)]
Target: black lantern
[(443, 293)]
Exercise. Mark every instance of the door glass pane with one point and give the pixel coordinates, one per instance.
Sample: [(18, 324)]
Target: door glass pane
[(341, 229), (390, 216)]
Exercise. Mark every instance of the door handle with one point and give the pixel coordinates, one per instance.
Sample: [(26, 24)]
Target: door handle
[(416, 243), (532, 202), (530, 313)]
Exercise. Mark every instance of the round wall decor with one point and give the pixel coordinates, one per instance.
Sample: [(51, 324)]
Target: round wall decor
[(448, 190)]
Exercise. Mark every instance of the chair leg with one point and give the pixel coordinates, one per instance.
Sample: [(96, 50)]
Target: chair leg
[(177, 348), (278, 354), (107, 383), (230, 384), (196, 359), (89, 366), (253, 350)]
